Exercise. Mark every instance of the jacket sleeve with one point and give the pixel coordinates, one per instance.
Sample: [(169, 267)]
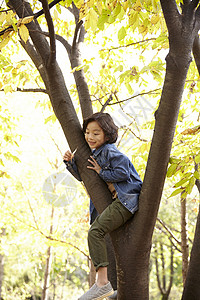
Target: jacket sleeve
[(72, 168), (117, 168)]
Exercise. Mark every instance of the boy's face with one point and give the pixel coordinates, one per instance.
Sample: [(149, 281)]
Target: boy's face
[(94, 135)]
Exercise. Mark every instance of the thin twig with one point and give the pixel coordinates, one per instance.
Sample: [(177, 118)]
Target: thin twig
[(169, 231), (50, 237), (128, 45)]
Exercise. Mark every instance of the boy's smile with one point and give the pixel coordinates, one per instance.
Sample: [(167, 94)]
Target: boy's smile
[(94, 135)]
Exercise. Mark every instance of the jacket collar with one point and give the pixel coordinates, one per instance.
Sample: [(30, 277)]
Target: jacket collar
[(97, 151)]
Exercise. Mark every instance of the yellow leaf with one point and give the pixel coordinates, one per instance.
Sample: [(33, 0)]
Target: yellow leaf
[(55, 14), (91, 20), (9, 17), (99, 6), (27, 20), (144, 148), (133, 17), (143, 30), (6, 34), (78, 68), (7, 89), (193, 130), (5, 40), (90, 3), (24, 33), (79, 3), (2, 17), (83, 12), (137, 6), (125, 5), (155, 19)]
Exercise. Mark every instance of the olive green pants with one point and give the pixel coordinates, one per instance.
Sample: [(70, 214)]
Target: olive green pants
[(114, 216)]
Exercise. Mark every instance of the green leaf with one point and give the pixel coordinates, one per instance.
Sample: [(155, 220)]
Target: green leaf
[(190, 185), (197, 159), (121, 33), (103, 19), (129, 88), (176, 192), (171, 170), (119, 68), (117, 10), (50, 118), (173, 159), (86, 68), (181, 182), (58, 8), (196, 175), (68, 3)]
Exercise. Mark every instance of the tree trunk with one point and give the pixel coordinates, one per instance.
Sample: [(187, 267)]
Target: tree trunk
[(47, 274), (48, 263), (132, 249), (192, 283), (3, 232), (1, 272), (184, 239)]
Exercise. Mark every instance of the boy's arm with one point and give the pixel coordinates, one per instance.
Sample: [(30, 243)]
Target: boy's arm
[(117, 170), (71, 166)]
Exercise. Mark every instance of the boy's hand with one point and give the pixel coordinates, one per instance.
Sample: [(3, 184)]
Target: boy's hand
[(95, 166), (68, 156)]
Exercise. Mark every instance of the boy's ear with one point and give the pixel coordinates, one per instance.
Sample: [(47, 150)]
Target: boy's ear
[(106, 138)]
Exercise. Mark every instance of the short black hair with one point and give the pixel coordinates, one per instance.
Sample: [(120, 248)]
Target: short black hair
[(106, 123)]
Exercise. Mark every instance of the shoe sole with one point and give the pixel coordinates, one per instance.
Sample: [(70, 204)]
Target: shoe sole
[(104, 296)]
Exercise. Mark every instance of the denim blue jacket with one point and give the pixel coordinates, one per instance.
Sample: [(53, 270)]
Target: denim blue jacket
[(118, 169)]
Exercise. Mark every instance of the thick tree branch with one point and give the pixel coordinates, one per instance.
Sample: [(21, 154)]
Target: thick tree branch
[(171, 13), (194, 3), (197, 182), (64, 42), (36, 15), (41, 12), (50, 25), (196, 52), (38, 62), (78, 26)]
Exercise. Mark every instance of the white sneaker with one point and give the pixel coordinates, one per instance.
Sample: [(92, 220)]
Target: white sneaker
[(113, 296), (98, 293)]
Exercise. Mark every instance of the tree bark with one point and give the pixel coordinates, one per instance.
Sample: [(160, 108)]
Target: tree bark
[(48, 263), (192, 283), (1, 271), (184, 239), (3, 232)]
